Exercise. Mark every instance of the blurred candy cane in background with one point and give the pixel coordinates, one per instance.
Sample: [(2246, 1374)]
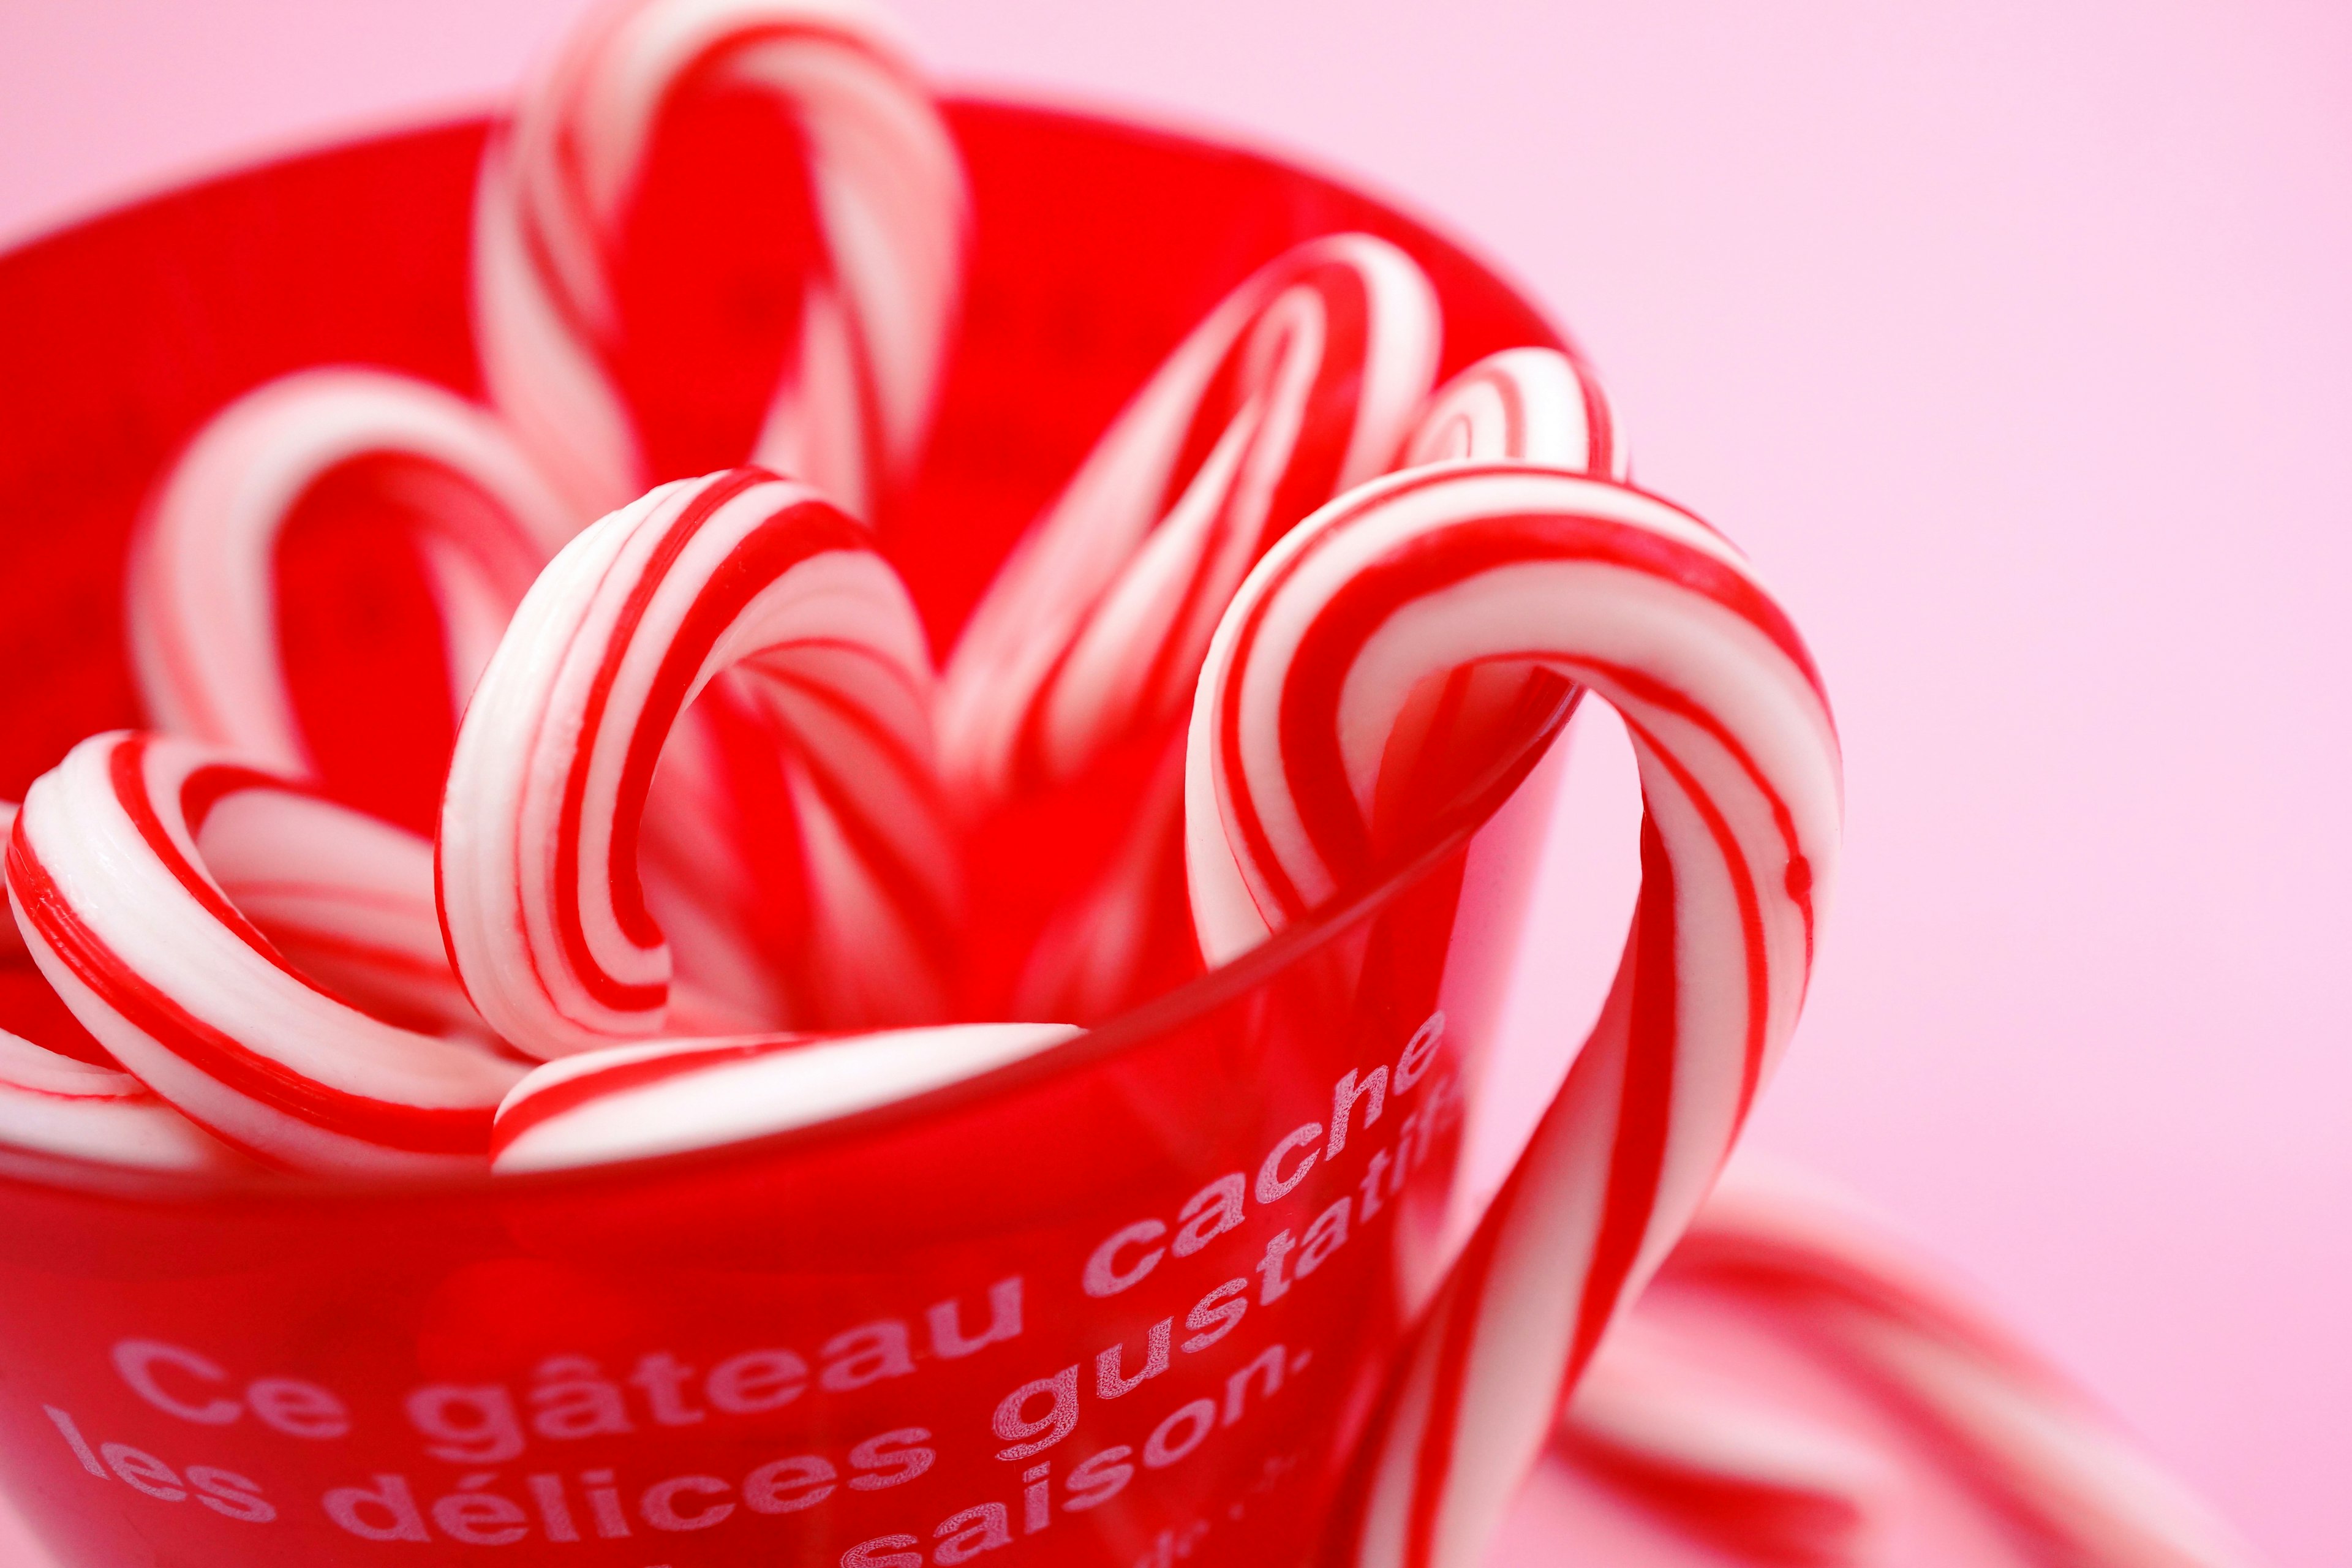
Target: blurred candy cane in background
[(1066, 690), (646, 313), (340, 450), (1795, 1388)]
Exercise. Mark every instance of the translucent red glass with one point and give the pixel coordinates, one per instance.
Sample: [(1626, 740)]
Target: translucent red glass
[(1127, 1303)]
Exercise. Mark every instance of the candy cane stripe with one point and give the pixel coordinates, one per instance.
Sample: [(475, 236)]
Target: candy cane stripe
[(1806, 1274), (667, 1097), (60, 1106), (1529, 404)]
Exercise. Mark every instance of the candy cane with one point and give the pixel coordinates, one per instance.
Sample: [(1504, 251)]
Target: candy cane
[(1469, 564), (1535, 405), (1719, 1462), (664, 1097), (135, 935), (1302, 383), (888, 200), (203, 602), (539, 890), (61, 1106), (2048, 1467)]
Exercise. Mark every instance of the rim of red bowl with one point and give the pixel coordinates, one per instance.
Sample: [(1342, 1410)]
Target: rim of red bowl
[(1170, 1010)]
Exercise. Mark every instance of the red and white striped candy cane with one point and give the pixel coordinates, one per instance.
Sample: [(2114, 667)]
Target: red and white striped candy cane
[(1302, 383), (663, 1096), (202, 604), (1535, 405), (203, 597), (61, 1106), (539, 891), (1769, 1261), (1530, 403), (113, 895), (1469, 564), (885, 191)]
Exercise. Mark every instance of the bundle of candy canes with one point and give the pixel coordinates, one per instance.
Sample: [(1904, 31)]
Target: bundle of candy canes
[(696, 869)]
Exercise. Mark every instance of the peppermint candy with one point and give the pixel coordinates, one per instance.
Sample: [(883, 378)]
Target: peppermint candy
[(572, 192), (113, 895), (545, 914), (1302, 383), (667, 1097), (1469, 566), (203, 591)]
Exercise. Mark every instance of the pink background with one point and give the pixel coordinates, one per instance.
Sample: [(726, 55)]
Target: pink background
[(2015, 341)]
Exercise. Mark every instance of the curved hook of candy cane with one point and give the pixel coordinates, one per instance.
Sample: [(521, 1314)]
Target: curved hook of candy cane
[(60, 1106), (850, 414), (113, 895), (539, 891), (2055, 1469), (1641, 603), (1302, 383), (202, 578), (664, 1097), (1525, 405)]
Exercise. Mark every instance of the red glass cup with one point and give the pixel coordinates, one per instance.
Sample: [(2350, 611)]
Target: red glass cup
[(1131, 1301)]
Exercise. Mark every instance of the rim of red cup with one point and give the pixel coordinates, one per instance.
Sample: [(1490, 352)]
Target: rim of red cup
[(1170, 1010)]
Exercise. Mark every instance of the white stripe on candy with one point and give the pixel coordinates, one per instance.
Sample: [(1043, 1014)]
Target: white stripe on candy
[(665, 1096), (346, 898)]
